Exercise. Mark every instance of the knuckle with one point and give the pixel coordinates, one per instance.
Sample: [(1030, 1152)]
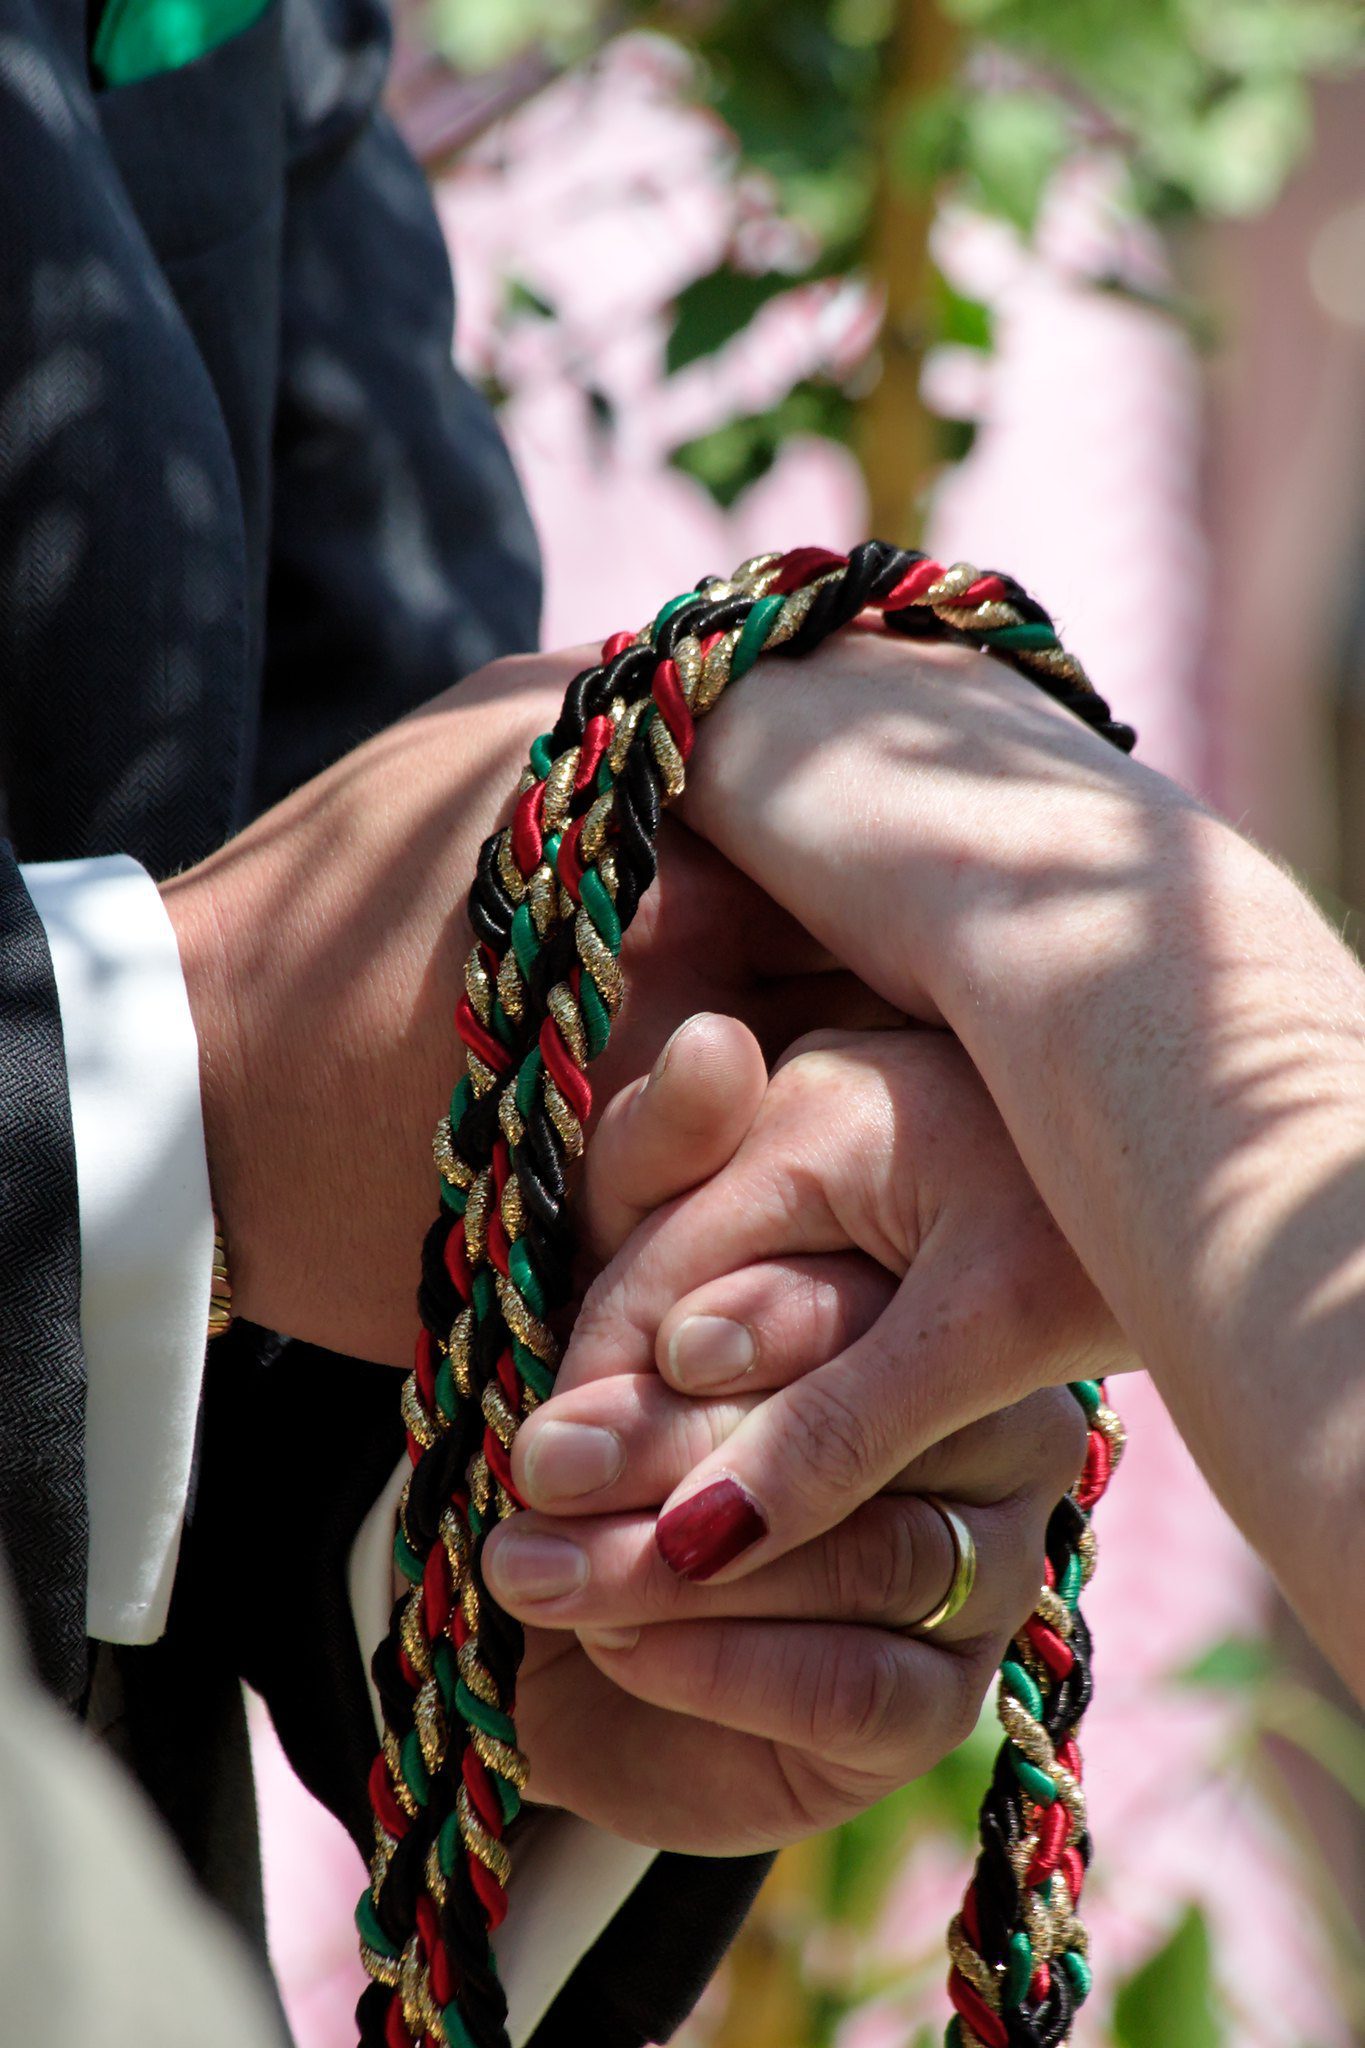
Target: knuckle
[(826, 1076), (795, 1102), (613, 1331), (1015, 1575), (870, 1562), (829, 1038), (687, 1432), (857, 1700), (599, 1314), (1050, 1432), (829, 1448)]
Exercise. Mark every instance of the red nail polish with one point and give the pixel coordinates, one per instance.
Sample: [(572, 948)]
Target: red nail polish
[(709, 1530)]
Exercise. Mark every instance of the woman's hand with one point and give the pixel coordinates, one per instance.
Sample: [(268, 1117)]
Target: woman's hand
[(785, 1685), (732, 1717), (1173, 1035), (873, 1259)]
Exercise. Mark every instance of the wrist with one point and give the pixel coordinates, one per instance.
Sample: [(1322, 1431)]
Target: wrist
[(941, 792), (323, 954), (1052, 881)]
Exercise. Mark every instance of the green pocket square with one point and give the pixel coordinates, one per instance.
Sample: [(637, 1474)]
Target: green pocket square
[(138, 38)]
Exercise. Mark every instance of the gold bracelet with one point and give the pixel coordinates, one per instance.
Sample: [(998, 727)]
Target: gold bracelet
[(220, 1293)]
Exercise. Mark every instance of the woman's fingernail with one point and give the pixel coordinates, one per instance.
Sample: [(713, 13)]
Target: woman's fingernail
[(609, 1638), (709, 1529), (657, 1071), (534, 1567), (705, 1351), (565, 1460)]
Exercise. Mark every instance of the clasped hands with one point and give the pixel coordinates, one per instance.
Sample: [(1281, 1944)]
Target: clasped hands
[(728, 1536), (819, 1288)]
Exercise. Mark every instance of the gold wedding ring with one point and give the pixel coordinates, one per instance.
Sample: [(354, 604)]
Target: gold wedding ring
[(964, 1569)]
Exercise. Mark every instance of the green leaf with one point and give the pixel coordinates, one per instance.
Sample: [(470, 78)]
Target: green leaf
[(1169, 2002), (1333, 1739), (1014, 143), (734, 456), (715, 308), (863, 1854), (867, 1850), (1245, 146), (1307, 35), (861, 23), (520, 299), (794, 93), (482, 35), (728, 460), (964, 322), (954, 439), (1237, 1664)]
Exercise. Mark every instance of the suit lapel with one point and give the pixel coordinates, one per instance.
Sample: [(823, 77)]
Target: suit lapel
[(133, 495)]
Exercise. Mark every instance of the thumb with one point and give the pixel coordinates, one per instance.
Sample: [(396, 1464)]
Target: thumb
[(672, 1129)]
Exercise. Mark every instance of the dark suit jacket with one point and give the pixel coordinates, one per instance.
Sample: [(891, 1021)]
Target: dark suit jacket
[(248, 514)]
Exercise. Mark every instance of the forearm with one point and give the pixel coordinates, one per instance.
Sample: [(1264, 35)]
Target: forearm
[(1175, 1039), (1183, 1069), (324, 952)]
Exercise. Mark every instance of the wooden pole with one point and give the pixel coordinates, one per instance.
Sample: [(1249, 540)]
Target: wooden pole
[(895, 436)]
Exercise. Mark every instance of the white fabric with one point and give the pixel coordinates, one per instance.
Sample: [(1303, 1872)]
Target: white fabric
[(570, 1878), (146, 1223), (146, 1258)]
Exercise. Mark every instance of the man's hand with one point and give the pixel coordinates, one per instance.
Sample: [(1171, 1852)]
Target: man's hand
[(324, 954), (786, 1682)]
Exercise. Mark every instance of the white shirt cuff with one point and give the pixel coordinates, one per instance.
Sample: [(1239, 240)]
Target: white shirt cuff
[(570, 1879), (146, 1221)]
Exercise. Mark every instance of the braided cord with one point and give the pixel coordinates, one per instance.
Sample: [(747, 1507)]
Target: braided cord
[(1019, 1953), (555, 893)]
